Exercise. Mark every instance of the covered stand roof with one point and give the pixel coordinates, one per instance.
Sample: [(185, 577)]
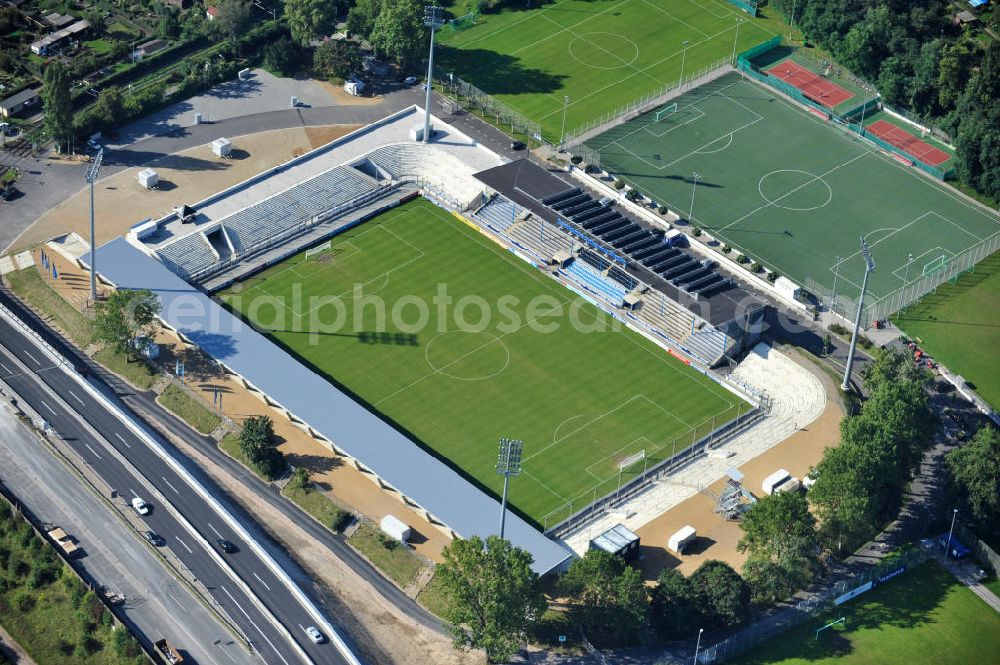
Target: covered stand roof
[(354, 429)]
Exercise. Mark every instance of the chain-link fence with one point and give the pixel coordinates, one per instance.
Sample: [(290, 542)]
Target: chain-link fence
[(470, 98), (982, 552)]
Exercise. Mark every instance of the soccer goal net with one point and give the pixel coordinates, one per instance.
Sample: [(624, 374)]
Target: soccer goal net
[(318, 249), (631, 460), (665, 111)]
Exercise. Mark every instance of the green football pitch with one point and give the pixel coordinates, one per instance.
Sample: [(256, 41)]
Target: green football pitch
[(791, 190), (580, 390), (925, 616), (601, 54)]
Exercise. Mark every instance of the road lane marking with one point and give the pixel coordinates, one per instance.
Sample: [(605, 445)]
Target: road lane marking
[(190, 551), (122, 440), (46, 405), (262, 581), (77, 398), (215, 530), (254, 624), (6, 369), (170, 486), (93, 451), (28, 353)]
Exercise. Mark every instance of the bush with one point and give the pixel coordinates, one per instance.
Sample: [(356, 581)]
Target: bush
[(619, 185), (633, 195), (865, 342), (576, 159), (24, 601), (743, 259), (772, 277), (727, 248), (696, 231), (756, 267), (838, 329), (387, 542), (340, 520), (663, 210), (591, 168), (300, 479)]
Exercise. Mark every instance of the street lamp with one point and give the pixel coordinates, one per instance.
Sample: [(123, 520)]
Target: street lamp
[(791, 27), (833, 293), (736, 37), (433, 19), (92, 172), (508, 464), (697, 646), (947, 543), (906, 275), (694, 188), (562, 133), (869, 267), (684, 51), (864, 107)]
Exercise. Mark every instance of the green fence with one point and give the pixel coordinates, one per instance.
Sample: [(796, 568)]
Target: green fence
[(749, 6), (759, 49)]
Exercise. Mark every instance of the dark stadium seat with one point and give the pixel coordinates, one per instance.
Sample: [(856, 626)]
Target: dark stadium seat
[(580, 208), (610, 236), (654, 254), (614, 224), (582, 217), (690, 276), (561, 196), (569, 203), (648, 242), (595, 260), (603, 218), (623, 241), (622, 277)]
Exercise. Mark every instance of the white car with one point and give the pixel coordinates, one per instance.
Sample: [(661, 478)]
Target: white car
[(140, 506), (314, 635), (409, 80)]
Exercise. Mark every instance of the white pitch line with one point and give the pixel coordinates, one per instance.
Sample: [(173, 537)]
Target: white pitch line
[(122, 440), (28, 353), (93, 451), (262, 582), (6, 369), (46, 405), (190, 551), (254, 624), (77, 398), (170, 486)]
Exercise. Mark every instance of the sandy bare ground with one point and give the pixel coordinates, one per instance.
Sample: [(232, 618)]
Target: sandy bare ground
[(717, 538), (185, 177)]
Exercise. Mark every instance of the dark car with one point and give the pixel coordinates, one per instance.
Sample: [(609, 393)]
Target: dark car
[(517, 145), (225, 546), (9, 193), (153, 538)]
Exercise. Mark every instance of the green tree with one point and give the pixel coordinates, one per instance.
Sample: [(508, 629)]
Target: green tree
[(311, 19), (399, 33), (974, 473), (58, 105), (300, 479), (673, 606), (109, 107), (779, 535), (493, 596), (361, 17), (125, 316), (336, 58), (723, 596), (608, 596), (169, 26), (282, 56), (258, 445), (235, 18)]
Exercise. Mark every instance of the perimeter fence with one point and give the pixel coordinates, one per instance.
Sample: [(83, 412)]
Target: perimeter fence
[(470, 98)]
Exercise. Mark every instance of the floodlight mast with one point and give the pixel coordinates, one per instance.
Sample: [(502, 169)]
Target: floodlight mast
[(92, 172), (869, 268), (433, 19), (508, 464)]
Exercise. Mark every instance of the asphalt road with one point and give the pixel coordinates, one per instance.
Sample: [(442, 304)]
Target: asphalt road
[(157, 605), (77, 416)]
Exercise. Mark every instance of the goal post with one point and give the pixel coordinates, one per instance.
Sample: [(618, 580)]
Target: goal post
[(631, 460), (937, 265), (664, 112), (318, 249), (842, 621)]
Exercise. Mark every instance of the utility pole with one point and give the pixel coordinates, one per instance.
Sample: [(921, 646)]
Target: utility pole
[(92, 172), (951, 530), (508, 464), (433, 19), (694, 188), (869, 267), (684, 51), (562, 134)]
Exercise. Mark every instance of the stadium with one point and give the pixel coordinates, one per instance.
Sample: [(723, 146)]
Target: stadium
[(601, 366)]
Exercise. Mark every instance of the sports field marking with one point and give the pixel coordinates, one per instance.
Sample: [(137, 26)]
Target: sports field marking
[(696, 151), (670, 124), (583, 38), (444, 372), (681, 21), (545, 486), (702, 151), (629, 64), (919, 260), (707, 8), (628, 446), (814, 178)]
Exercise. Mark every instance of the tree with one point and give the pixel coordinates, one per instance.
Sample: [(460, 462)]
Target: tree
[(300, 479), (58, 104), (125, 316), (399, 33), (779, 533), (235, 18), (282, 56), (673, 606), (973, 469), (257, 444), (493, 596), (336, 58), (109, 107), (608, 596), (168, 27), (361, 17), (723, 596), (311, 19)]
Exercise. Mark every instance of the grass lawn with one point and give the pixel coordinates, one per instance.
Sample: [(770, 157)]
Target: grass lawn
[(316, 503), (137, 372), (958, 324), (230, 445), (98, 45), (189, 409), (541, 364), (400, 563), (30, 287), (7, 176), (433, 598), (602, 54), (792, 191), (925, 616)]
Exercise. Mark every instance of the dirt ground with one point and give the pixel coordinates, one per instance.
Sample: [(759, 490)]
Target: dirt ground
[(185, 177), (717, 537), (342, 98)]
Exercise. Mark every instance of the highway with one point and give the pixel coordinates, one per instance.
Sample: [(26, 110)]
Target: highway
[(105, 442)]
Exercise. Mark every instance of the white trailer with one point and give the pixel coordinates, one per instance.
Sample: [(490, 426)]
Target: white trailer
[(680, 540), (222, 147), (775, 479), (395, 528), (791, 484), (148, 178)]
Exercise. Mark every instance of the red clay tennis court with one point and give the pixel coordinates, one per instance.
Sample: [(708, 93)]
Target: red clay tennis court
[(813, 85), (908, 143)]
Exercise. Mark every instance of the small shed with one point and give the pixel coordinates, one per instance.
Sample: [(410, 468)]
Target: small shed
[(222, 147), (787, 288), (354, 87), (17, 102), (562, 258), (148, 178), (395, 528), (775, 479), (619, 540), (682, 538)]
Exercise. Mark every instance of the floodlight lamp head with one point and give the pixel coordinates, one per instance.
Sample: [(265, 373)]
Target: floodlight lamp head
[(433, 16), (869, 261), (95, 166), (509, 457)]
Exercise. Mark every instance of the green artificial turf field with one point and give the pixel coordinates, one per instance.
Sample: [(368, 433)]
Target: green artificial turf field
[(925, 616), (580, 400), (602, 54), (959, 325), (792, 191)]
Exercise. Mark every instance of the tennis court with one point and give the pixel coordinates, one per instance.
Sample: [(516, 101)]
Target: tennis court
[(791, 191), (908, 143), (812, 85)]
